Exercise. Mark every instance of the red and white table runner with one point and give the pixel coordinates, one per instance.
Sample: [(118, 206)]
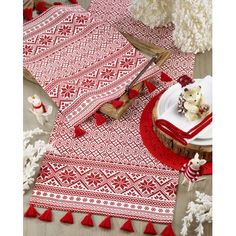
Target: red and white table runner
[(80, 62), (107, 171)]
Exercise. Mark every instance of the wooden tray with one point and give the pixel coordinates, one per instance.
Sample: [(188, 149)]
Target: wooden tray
[(188, 151), (146, 48)]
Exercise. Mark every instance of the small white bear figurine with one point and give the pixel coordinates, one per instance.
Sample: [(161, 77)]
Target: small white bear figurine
[(192, 105), (39, 109), (191, 171)]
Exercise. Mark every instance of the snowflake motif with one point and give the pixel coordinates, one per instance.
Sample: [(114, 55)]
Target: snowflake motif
[(64, 30), (44, 172), (120, 182), (107, 73), (88, 83), (94, 179), (126, 63), (67, 176), (67, 91), (45, 40), (171, 189), (147, 186), (81, 19), (27, 50)]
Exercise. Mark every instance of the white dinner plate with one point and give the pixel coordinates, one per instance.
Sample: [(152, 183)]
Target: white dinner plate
[(169, 98)]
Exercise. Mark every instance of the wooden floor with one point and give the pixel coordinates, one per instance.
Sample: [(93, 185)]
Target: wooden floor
[(34, 227)]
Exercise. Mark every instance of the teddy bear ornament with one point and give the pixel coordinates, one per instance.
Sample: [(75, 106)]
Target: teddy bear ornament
[(191, 104)]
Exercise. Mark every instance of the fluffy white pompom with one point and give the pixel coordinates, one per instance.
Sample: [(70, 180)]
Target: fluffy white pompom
[(192, 20), (152, 12), (193, 25)]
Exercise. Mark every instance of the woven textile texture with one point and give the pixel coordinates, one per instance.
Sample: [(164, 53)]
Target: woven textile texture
[(79, 61), (116, 12), (109, 171)]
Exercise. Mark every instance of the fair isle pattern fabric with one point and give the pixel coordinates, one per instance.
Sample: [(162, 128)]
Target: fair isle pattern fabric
[(80, 62), (117, 14), (108, 171), (106, 188)]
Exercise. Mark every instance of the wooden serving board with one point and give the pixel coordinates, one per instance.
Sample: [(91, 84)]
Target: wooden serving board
[(205, 152), (111, 111), (146, 48)]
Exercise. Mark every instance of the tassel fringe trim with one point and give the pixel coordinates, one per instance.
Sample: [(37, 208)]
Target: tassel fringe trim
[(68, 218)]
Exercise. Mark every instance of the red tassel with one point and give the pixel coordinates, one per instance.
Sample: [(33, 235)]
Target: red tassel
[(73, 1), (67, 218), (87, 221), (150, 229), (57, 3), (46, 216), (31, 212), (133, 93), (168, 231), (127, 226), (79, 132), (41, 7), (117, 103), (28, 13), (165, 77), (150, 86), (106, 223), (100, 119)]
